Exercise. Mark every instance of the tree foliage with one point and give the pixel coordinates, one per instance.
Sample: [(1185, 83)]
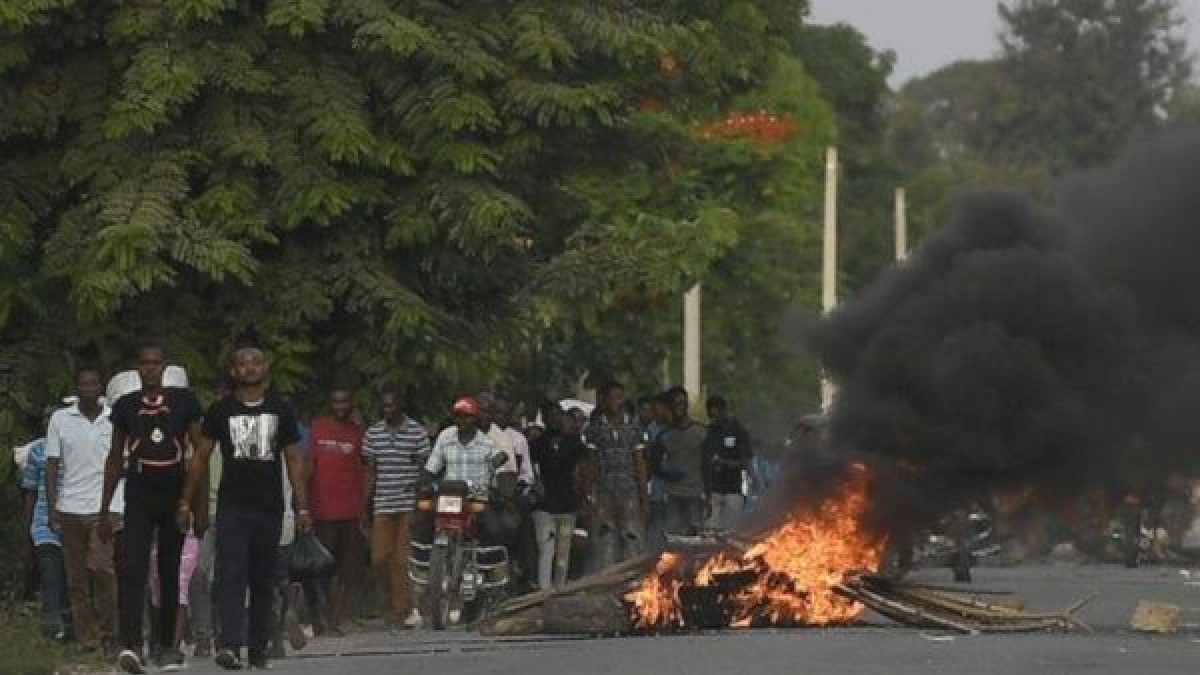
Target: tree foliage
[(443, 195)]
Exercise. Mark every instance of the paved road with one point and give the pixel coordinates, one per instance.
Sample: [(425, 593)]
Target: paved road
[(876, 648)]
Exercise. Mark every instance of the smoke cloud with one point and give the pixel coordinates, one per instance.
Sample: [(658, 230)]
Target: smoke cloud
[(1023, 344)]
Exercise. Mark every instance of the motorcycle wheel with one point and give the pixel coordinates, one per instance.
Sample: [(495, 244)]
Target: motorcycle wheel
[(437, 600)]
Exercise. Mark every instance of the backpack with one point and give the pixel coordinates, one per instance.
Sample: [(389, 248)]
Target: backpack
[(154, 446)]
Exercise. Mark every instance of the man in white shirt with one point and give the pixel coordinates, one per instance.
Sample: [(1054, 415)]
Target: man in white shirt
[(78, 440)]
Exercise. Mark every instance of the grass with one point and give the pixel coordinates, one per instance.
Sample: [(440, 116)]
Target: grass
[(23, 650)]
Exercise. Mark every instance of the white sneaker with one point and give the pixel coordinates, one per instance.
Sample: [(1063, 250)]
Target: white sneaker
[(454, 615), (413, 620), (130, 662)]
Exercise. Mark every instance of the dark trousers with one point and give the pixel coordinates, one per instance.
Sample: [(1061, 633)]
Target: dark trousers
[(53, 589), (149, 514), (247, 554)]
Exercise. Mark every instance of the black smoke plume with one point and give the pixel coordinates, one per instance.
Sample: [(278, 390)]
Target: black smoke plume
[(1056, 346)]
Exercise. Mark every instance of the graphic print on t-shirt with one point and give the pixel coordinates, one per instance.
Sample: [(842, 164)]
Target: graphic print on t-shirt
[(253, 436)]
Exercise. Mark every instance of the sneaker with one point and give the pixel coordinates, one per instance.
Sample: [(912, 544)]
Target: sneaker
[(228, 659), (413, 620), (129, 661), (172, 660), (295, 634), (257, 659)]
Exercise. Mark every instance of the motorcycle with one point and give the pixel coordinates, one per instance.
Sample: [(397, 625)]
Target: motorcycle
[(958, 540), (456, 573)]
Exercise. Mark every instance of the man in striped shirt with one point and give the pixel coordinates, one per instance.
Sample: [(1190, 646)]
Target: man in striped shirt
[(395, 449)]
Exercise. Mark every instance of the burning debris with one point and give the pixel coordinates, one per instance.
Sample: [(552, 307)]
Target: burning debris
[(786, 577), (817, 568)]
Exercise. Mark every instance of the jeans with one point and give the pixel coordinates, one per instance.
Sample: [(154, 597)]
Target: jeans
[(618, 532), (88, 562), (149, 515), (554, 534), (390, 535), (656, 528), (247, 554), (343, 539), (54, 589), (201, 611), (726, 510)]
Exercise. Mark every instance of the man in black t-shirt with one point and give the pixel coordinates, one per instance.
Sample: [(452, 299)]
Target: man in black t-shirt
[(153, 427), (727, 454), (256, 431), (556, 457)]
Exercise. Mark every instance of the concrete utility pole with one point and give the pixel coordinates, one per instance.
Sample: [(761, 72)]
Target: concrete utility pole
[(901, 224), (691, 343), (830, 267)]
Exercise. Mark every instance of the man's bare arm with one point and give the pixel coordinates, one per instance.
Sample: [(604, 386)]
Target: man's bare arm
[(298, 476), (192, 510), (113, 465)]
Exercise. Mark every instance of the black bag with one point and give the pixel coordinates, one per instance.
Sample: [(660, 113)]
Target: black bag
[(309, 556)]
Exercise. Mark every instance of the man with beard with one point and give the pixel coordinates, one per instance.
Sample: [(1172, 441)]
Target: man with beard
[(615, 456), (153, 426), (256, 432)]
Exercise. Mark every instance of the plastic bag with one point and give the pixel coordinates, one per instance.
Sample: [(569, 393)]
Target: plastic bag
[(309, 556)]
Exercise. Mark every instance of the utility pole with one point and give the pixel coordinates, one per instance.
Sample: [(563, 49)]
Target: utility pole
[(901, 225), (830, 259), (691, 343)]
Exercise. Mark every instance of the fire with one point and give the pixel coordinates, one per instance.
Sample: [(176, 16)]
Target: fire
[(786, 577)]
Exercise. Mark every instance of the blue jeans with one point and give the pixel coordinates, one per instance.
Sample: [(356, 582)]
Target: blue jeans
[(247, 555), (54, 589)]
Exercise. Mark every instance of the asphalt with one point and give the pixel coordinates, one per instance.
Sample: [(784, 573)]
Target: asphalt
[(877, 647)]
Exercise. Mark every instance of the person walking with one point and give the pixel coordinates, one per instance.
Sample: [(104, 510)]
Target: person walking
[(256, 432), (77, 445), (395, 448), (151, 430), (338, 496), (46, 543)]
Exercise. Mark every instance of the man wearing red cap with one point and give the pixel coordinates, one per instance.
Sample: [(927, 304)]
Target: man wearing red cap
[(464, 452)]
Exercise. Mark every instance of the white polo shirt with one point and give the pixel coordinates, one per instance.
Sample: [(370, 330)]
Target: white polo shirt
[(81, 445)]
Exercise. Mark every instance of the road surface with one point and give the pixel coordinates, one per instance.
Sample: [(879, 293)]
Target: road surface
[(879, 647)]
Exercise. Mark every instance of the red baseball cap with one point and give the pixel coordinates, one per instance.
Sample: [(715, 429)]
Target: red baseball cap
[(466, 406)]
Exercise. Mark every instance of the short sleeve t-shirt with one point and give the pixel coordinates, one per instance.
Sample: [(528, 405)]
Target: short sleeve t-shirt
[(555, 459), (252, 439), (34, 479), (338, 479), (398, 454), (156, 436)]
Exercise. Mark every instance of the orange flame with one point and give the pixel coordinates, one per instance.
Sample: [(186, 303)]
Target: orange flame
[(785, 578)]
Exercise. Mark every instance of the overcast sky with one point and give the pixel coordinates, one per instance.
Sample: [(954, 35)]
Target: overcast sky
[(928, 34)]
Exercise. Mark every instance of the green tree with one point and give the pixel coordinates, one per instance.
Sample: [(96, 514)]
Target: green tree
[(415, 192), (1087, 74)]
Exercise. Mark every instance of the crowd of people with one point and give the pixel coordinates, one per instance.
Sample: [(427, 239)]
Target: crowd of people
[(142, 503)]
